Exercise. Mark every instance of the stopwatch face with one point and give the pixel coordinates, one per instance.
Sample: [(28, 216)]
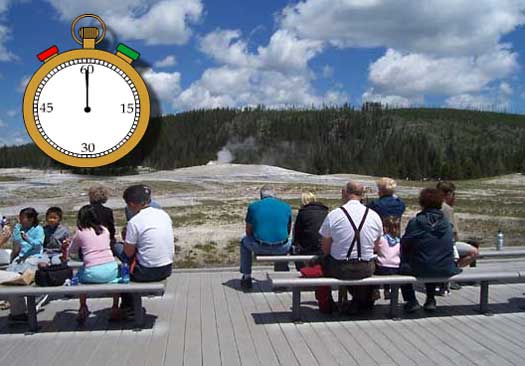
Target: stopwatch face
[(86, 108)]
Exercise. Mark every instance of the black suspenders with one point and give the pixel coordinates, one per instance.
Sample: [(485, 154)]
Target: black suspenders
[(357, 233)]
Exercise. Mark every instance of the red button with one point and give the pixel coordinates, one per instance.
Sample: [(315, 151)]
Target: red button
[(51, 51)]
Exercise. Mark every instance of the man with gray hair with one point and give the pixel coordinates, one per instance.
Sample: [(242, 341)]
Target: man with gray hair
[(268, 224), (349, 234)]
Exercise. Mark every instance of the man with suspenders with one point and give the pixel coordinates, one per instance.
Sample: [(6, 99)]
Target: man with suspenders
[(348, 237)]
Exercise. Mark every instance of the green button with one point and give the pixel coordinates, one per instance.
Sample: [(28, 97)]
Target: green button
[(131, 53)]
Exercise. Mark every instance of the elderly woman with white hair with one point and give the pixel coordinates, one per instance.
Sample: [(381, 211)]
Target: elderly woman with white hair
[(388, 203)]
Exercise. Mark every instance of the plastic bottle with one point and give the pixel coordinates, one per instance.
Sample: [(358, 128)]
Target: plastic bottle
[(500, 240), (124, 273)]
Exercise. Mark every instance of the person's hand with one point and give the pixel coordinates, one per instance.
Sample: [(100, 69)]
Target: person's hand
[(24, 235), (65, 243)]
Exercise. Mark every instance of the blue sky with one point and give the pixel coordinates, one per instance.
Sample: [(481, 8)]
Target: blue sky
[(202, 53)]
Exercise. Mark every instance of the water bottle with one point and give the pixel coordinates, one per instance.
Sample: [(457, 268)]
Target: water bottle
[(124, 273), (499, 240), (74, 280)]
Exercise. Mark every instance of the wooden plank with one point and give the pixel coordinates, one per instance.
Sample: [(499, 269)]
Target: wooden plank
[(193, 341), (175, 345), (295, 340), (358, 354), (227, 344), (355, 328), (280, 345), (210, 338), (264, 349)]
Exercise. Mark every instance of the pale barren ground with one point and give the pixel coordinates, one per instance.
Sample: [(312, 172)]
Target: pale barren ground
[(208, 203)]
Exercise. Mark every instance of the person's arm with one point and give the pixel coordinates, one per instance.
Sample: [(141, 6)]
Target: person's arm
[(111, 226), (130, 244), (130, 249), (249, 229), (326, 245), (297, 230), (5, 235), (73, 246), (249, 221)]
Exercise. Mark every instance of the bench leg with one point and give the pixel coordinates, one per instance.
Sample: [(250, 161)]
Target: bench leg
[(394, 302), (31, 314), (484, 297), (296, 304), (137, 310)]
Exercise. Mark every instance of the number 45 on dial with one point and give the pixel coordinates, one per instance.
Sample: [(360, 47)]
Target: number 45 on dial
[(87, 107)]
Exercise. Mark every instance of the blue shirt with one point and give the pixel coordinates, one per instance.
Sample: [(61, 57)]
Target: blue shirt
[(34, 243), (270, 219), (388, 206)]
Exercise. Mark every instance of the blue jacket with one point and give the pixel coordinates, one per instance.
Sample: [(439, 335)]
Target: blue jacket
[(388, 206), (35, 240), (427, 247)]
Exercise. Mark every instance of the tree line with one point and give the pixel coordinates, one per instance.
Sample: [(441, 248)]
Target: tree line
[(402, 143)]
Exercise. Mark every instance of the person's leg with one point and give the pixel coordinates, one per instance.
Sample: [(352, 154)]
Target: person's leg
[(430, 302), (409, 295), (467, 253), (247, 244), (17, 305)]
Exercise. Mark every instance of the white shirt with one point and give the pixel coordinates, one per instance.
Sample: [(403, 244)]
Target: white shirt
[(337, 227), (151, 232)]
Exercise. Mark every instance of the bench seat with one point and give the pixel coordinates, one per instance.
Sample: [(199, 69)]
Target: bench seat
[(298, 284), (137, 290)]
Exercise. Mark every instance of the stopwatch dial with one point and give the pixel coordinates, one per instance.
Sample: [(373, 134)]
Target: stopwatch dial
[(86, 108)]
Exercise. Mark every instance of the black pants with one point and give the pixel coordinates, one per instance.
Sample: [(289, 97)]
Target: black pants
[(409, 293), (145, 274), (353, 270)]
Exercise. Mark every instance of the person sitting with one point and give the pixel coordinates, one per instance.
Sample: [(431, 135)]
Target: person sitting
[(268, 224), (306, 237), (28, 239), (54, 234), (98, 195), (467, 252), (99, 265), (349, 234), (388, 203), (148, 242), (427, 248), (387, 250)]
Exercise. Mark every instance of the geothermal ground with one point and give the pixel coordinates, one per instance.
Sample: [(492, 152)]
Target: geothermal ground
[(207, 203)]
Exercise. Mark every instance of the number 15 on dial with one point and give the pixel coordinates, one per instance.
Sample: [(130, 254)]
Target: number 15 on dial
[(87, 107)]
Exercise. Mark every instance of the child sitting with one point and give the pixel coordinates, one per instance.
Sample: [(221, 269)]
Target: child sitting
[(55, 233), (387, 250), (93, 240)]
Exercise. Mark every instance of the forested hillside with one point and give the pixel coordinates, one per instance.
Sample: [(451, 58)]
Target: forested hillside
[(413, 143)]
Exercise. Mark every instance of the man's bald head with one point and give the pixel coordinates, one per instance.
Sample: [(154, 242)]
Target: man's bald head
[(353, 190)]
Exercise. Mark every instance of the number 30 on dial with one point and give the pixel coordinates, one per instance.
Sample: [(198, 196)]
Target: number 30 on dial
[(87, 107)]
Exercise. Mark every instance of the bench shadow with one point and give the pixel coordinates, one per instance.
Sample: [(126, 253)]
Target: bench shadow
[(311, 314), (66, 321), (258, 285)]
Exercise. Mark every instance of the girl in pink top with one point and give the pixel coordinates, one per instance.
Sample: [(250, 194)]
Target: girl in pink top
[(387, 250), (92, 242)]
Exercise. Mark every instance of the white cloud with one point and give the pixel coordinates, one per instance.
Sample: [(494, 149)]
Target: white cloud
[(153, 21), (390, 100), (21, 87), (328, 71), (437, 27), (5, 34), (167, 61), (418, 74), (15, 138), (506, 89), (2, 124), (165, 85), (477, 102), (276, 75)]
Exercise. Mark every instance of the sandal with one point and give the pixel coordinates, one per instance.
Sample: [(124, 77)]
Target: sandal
[(83, 314)]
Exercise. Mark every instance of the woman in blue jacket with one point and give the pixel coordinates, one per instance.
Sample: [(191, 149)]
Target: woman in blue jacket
[(427, 248)]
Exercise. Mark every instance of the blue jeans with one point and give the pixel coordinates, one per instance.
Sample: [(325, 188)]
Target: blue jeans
[(249, 246)]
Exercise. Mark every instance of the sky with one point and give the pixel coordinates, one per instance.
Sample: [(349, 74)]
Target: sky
[(235, 53)]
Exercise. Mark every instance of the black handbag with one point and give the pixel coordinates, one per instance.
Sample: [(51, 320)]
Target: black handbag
[(53, 275)]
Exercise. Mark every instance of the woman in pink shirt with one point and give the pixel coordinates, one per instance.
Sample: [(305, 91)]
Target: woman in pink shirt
[(92, 240), (387, 250)]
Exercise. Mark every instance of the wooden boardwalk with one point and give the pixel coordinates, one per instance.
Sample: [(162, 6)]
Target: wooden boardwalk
[(205, 320)]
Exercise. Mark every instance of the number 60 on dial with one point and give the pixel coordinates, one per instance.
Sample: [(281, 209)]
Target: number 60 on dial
[(87, 107)]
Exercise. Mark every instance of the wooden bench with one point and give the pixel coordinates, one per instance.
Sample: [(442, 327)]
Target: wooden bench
[(298, 284), (137, 290), (486, 254)]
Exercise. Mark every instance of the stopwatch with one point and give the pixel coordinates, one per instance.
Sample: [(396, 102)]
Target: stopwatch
[(87, 107)]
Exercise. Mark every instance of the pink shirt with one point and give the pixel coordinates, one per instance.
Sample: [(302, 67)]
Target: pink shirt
[(95, 248), (387, 256)]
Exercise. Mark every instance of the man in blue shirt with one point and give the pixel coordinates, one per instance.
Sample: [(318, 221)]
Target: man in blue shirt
[(268, 224)]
